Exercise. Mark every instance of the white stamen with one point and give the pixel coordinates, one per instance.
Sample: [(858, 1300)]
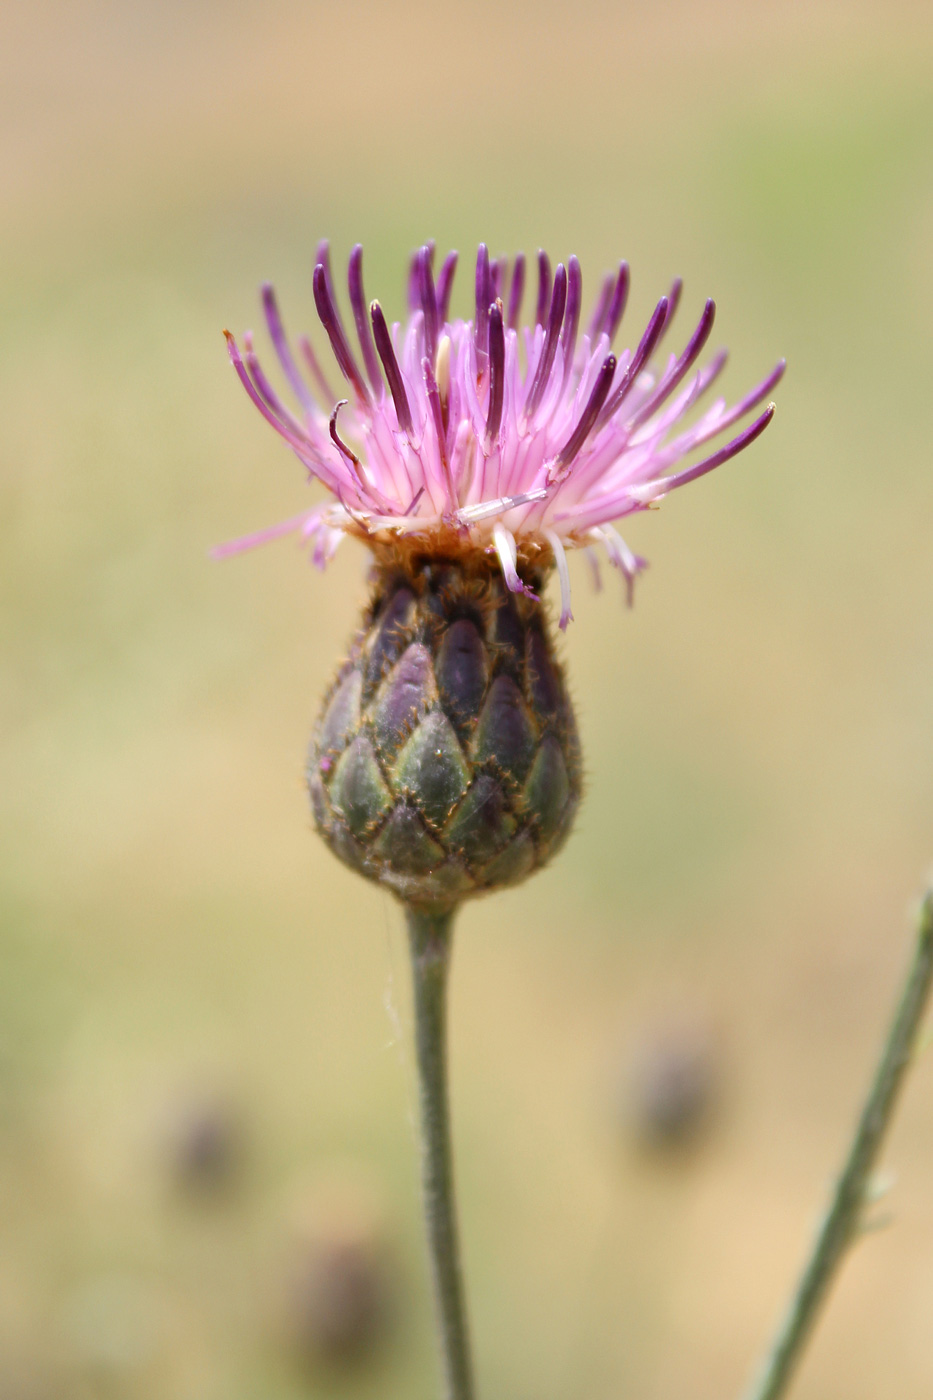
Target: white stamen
[(563, 574), (650, 491), (469, 515), (620, 556), (442, 372), (508, 557), (403, 524), (618, 551)]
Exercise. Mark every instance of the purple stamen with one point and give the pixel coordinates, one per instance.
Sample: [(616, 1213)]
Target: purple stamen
[(414, 303), (516, 291), (598, 318), (549, 348), (646, 347), (297, 444), (413, 504), (393, 374), (731, 449), (483, 299), (544, 287), (274, 532), (414, 274), (283, 349), (711, 373), (363, 331), (568, 335), (338, 442), (757, 394), (497, 271), (587, 421), (496, 375), (330, 320), (322, 259), (266, 389), (445, 282), (619, 299), (673, 299), (670, 381), (437, 408), (428, 302), (314, 365), (437, 413)]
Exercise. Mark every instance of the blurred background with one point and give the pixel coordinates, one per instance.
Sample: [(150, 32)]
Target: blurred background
[(208, 1184)]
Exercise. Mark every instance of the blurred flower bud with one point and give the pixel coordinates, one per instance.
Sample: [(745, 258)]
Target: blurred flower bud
[(204, 1141), (340, 1278), (672, 1082)]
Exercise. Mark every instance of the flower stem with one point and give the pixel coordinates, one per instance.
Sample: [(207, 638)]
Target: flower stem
[(842, 1223), (430, 937)]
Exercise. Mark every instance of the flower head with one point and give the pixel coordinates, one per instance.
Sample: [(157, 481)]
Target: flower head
[(489, 435)]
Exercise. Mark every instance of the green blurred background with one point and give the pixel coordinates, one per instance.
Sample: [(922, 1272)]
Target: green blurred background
[(205, 1082)]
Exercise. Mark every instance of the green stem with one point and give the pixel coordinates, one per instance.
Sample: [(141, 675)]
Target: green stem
[(430, 937), (842, 1222)]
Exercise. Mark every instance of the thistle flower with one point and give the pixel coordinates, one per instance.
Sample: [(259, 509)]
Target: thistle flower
[(470, 455)]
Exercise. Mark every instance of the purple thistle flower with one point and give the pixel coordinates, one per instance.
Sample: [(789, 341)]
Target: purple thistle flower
[(525, 441)]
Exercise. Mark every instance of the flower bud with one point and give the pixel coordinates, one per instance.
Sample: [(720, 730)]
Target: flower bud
[(446, 762)]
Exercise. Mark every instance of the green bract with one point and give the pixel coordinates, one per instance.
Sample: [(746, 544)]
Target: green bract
[(446, 761)]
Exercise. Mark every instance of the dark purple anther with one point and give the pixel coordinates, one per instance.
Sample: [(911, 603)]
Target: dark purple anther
[(587, 419), (330, 320), (414, 303), (711, 373), (322, 259), (498, 269), (307, 349), (731, 449), (437, 414), (673, 302), (483, 299), (272, 399), (516, 291), (282, 348), (568, 335), (759, 392), (358, 302), (414, 275), (619, 299), (427, 299), (646, 348), (393, 374), (549, 348), (445, 282), (496, 375), (598, 319), (544, 287), (673, 299), (681, 367)]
